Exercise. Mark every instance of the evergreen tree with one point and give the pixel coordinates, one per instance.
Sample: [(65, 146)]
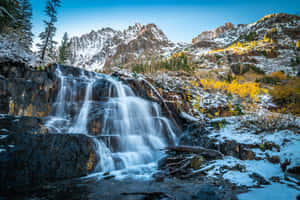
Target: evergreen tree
[(64, 49), (47, 44), (15, 20), (8, 13), (24, 24)]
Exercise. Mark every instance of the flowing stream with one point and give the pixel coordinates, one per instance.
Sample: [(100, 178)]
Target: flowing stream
[(129, 131)]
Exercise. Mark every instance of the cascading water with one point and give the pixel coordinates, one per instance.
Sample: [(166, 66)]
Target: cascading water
[(132, 129)]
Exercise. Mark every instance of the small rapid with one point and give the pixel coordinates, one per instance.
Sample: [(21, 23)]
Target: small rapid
[(128, 130)]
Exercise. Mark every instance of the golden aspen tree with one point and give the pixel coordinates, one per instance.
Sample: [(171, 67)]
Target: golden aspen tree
[(298, 44)]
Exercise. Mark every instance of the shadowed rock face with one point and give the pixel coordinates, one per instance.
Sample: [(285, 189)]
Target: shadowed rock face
[(29, 156), (33, 159), (26, 92)]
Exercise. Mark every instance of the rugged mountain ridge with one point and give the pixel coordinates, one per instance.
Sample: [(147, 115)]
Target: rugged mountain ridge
[(209, 35), (109, 47)]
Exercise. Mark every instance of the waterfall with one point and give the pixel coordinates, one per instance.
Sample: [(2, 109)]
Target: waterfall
[(128, 130), (81, 122)]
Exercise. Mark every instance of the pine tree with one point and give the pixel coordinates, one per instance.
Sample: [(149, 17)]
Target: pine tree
[(47, 44), (64, 49), (24, 24), (8, 13)]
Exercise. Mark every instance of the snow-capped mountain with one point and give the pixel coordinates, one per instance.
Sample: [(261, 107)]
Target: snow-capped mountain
[(109, 47), (274, 39), (287, 28)]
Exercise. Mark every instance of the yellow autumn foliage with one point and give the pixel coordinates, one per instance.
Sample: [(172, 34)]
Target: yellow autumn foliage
[(298, 44), (267, 17), (248, 89), (244, 47)]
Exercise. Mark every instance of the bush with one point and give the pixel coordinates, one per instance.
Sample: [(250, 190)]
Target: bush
[(288, 95), (249, 89), (270, 80), (274, 78), (280, 75)]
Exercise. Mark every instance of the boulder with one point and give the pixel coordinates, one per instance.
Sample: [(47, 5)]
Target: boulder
[(28, 160)]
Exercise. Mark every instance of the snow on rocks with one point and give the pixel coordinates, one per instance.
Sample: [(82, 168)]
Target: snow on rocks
[(277, 160), (11, 50)]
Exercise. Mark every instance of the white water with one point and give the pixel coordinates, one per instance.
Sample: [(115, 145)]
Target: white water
[(81, 122), (133, 129)]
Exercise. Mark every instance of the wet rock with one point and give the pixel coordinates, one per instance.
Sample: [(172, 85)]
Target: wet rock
[(32, 159), (20, 124)]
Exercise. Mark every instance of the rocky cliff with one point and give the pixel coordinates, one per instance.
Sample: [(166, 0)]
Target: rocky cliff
[(209, 35), (108, 47)]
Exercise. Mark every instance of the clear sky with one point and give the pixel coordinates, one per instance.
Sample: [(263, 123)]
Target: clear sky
[(180, 20)]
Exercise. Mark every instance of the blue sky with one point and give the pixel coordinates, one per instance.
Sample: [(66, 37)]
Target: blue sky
[(180, 20)]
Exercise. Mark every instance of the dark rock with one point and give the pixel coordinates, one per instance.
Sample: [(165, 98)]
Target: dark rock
[(33, 159), (20, 124), (197, 135), (159, 177), (207, 192), (285, 164), (239, 167), (259, 179), (273, 159), (294, 170), (25, 91)]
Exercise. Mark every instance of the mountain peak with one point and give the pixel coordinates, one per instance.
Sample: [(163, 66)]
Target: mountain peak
[(211, 34), (96, 48)]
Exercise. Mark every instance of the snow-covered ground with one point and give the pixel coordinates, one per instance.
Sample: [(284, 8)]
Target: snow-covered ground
[(281, 185), (275, 191)]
